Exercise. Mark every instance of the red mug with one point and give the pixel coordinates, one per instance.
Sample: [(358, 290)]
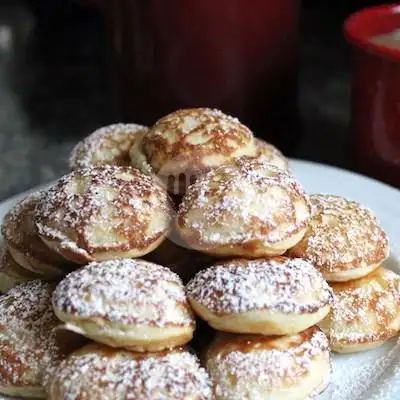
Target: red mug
[(236, 55), (376, 91)]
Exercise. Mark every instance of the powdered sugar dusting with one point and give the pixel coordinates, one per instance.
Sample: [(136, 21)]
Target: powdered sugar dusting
[(106, 208), (126, 292), (107, 145), (367, 310), (271, 365), (244, 202), (97, 372), (27, 341), (342, 235), (242, 285)]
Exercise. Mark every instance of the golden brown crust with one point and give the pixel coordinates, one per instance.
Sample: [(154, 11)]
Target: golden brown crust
[(12, 274), (103, 213), (342, 236), (186, 142), (20, 234), (226, 343), (365, 310)]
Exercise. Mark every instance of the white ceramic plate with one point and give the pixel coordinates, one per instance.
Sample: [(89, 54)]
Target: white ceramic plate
[(373, 375)]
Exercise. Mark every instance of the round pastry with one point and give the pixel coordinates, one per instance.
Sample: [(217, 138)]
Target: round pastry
[(126, 303), (186, 142), (12, 274), (266, 296), (24, 244), (185, 262), (253, 367), (344, 239), (104, 212), (250, 209), (28, 346), (99, 372), (266, 152), (366, 312), (107, 145)]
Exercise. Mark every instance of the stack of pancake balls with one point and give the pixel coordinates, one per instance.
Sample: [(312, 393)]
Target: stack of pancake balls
[(193, 222)]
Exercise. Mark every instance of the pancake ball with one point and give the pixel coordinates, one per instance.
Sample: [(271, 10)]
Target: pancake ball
[(133, 304), (344, 239), (28, 344), (366, 312), (265, 296), (104, 213), (187, 142), (108, 145), (25, 245), (98, 372), (250, 209), (253, 367)]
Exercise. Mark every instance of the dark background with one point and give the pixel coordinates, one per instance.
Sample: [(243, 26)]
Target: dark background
[(54, 85)]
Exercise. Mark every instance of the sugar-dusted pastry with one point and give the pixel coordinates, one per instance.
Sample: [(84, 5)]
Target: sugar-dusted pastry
[(185, 262), (344, 239), (107, 145), (126, 303), (250, 209), (254, 367), (366, 312), (266, 296), (98, 372), (24, 244), (12, 274), (267, 152), (104, 212), (28, 345), (186, 142)]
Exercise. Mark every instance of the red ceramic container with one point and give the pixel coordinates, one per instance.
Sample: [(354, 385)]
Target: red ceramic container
[(375, 93)]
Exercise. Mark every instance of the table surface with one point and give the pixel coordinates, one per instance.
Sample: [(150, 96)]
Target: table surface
[(54, 90)]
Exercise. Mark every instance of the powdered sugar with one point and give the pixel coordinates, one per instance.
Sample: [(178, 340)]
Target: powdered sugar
[(126, 292), (367, 310), (27, 341), (104, 208), (285, 285), (244, 202), (107, 145), (98, 372)]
